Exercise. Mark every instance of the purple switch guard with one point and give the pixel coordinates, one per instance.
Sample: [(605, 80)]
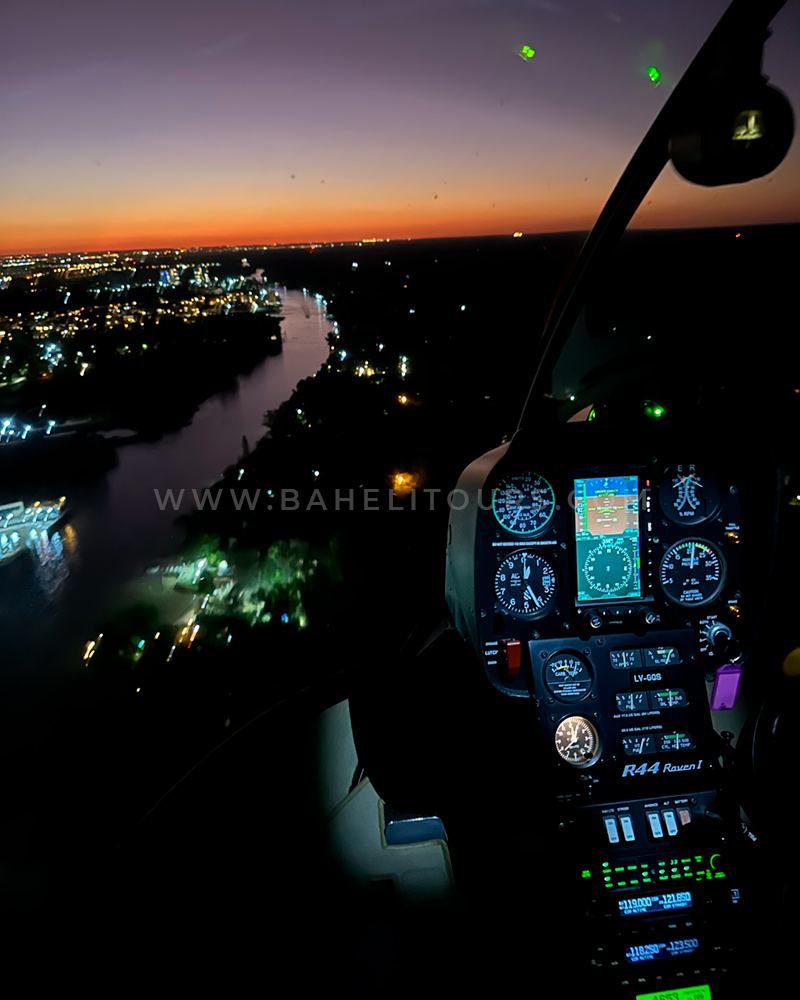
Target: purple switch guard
[(726, 687)]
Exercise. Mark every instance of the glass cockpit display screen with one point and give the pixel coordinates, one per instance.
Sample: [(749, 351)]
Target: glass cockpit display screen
[(607, 539)]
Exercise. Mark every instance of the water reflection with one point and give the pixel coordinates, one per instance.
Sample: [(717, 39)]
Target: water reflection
[(54, 557), (57, 591)]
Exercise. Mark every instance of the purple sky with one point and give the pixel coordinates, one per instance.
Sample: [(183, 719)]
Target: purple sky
[(168, 122)]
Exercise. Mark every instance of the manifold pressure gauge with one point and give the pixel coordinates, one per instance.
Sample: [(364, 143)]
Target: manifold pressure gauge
[(577, 741)]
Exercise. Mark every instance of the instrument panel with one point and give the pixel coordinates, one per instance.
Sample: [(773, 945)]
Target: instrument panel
[(606, 584), (599, 571), (637, 549)]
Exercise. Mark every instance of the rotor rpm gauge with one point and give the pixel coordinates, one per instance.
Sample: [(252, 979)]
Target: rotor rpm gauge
[(686, 497), (692, 572), (577, 741), (525, 584), (523, 503)]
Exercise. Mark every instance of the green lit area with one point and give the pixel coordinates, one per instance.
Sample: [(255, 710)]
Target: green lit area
[(526, 53), (679, 993), (654, 410), (640, 874), (654, 75)]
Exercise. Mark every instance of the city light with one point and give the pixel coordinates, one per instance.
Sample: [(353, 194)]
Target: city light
[(404, 483)]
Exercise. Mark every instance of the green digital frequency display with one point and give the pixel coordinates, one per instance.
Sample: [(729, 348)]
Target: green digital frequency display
[(681, 993), (650, 876)]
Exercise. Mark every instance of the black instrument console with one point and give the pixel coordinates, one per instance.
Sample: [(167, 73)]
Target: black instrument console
[(602, 575)]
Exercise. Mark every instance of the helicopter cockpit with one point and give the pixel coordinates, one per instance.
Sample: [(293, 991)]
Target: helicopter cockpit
[(575, 771), (611, 571)]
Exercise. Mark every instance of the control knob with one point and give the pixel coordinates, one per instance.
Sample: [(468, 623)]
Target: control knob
[(716, 634)]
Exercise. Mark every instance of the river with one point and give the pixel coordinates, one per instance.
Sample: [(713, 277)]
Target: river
[(51, 605)]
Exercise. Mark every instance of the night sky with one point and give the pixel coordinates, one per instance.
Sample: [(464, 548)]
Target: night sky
[(162, 123)]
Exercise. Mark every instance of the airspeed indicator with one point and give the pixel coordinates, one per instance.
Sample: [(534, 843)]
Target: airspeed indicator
[(524, 503)]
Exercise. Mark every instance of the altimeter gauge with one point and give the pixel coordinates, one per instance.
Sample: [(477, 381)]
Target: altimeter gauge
[(523, 503), (577, 741), (525, 584)]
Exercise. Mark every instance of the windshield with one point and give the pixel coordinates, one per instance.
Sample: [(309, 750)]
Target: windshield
[(270, 276), (167, 124), (700, 283)]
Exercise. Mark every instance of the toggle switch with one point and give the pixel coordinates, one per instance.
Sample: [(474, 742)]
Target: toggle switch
[(513, 648), (655, 825), (670, 822)]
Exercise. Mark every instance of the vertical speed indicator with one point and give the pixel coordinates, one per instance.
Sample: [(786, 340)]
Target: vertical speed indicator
[(523, 503)]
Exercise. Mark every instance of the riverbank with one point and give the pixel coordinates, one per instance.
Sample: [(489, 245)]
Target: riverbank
[(152, 387), (117, 529)]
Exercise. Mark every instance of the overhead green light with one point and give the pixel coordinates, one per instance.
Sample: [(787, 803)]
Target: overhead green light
[(654, 75), (526, 53), (654, 410)]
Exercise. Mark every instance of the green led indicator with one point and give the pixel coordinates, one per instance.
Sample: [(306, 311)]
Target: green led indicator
[(654, 75), (586, 874), (526, 53), (654, 410)]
